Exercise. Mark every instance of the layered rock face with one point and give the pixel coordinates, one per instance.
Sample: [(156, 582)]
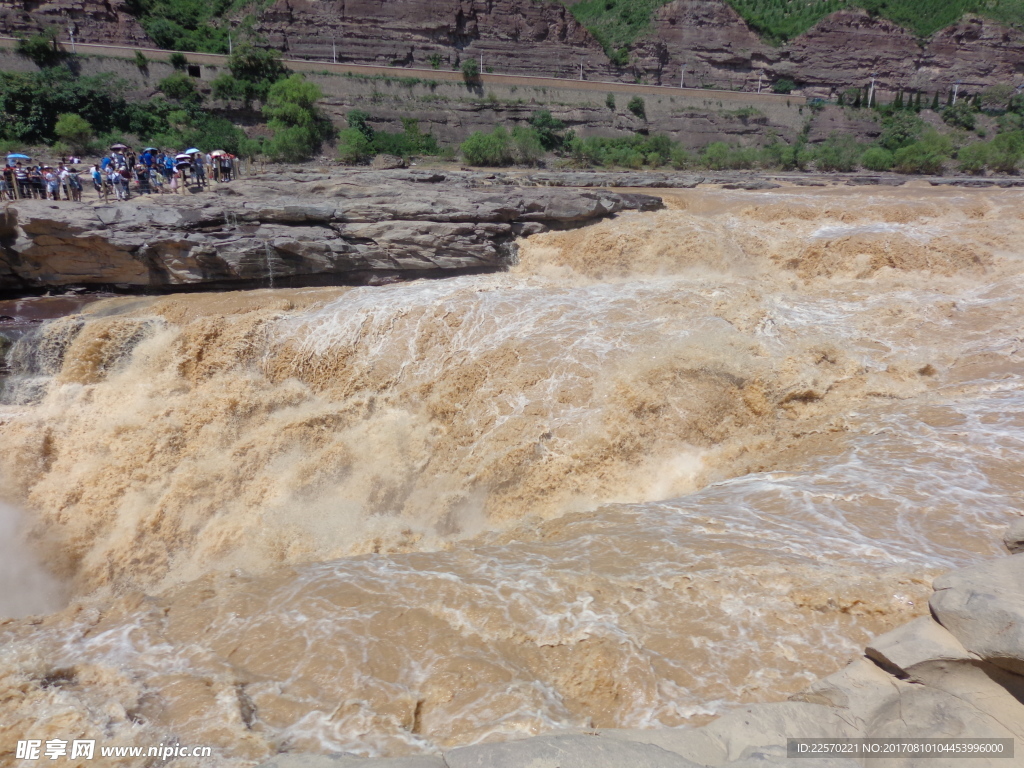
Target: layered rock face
[(92, 21), (958, 674), (360, 226), (531, 37)]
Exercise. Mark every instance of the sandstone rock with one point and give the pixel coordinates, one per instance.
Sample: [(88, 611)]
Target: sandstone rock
[(341, 761), (386, 162), (694, 744), (983, 606), (775, 757), (565, 751), (855, 692), (901, 651), (288, 227), (1013, 539)]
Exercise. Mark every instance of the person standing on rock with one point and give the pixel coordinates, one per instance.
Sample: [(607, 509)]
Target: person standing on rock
[(199, 169), (97, 180), (74, 185), (142, 175), (21, 175), (52, 180)]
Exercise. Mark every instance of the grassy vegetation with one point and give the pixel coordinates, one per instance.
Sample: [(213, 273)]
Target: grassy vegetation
[(780, 20), (618, 24)]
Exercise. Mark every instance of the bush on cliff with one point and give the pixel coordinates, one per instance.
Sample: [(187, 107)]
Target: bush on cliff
[(42, 49), (500, 147), (877, 159), (927, 155), (840, 152), (74, 131), (179, 87), (298, 126), (360, 141)]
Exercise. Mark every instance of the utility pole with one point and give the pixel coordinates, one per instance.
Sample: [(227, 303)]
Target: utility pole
[(334, 49), (581, 68), (231, 49), (956, 91), (71, 34), (760, 76), (871, 93), (682, 76)]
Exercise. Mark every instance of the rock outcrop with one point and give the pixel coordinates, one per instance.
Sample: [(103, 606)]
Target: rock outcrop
[(708, 37), (289, 228), (958, 674)]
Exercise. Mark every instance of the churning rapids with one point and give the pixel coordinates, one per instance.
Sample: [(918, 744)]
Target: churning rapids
[(670, 462)]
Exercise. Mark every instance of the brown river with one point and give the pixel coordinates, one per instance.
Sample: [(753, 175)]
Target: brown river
[(669, 463)]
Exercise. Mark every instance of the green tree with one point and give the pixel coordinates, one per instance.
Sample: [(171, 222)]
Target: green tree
[(470, 71), (609, 101), (960, 115), (179, 61), (637, 107), (74, 131), (256, 65), (42, 49), (784, 85), (141, 61), (548, 128), (298, 126), (900, 129)]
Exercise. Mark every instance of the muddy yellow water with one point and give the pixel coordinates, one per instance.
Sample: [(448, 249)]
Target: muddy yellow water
[(670, 462)]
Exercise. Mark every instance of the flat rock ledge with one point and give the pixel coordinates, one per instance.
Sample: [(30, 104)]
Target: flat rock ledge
[(958, 673), (281, 229)]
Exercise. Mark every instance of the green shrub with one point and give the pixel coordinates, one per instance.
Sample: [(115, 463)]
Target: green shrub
[(927, 155), (354, 147), (470, 70), (637, 107), (997, 97), (41, 49), (1007, 152), (974, 158), (623, 152), (877, 159), (784, 85), (435, 60), (839, 153), (719, 156), (960, 115), (178, 86), (178, 60), (547, 128), (74, 131), (500, 147), (492, 149), (681, 159), (141, 61), (256, 65), (900, 129), (609, 101)]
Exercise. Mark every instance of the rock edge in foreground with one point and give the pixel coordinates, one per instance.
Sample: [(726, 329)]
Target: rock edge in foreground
[(289, 229)]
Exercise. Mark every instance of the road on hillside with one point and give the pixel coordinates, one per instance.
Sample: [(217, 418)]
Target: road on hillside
[(303, 65)]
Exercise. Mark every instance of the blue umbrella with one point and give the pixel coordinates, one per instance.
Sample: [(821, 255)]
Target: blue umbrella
[(191, 151), (16, 156)]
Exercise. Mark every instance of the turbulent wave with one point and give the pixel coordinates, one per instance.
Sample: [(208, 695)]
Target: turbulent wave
[(672, 461)]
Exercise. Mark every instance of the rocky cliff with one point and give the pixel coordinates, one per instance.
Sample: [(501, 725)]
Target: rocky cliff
[(289, 228), (527, 37)]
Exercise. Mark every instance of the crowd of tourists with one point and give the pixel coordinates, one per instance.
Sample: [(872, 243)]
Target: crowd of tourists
[(118, 175)]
